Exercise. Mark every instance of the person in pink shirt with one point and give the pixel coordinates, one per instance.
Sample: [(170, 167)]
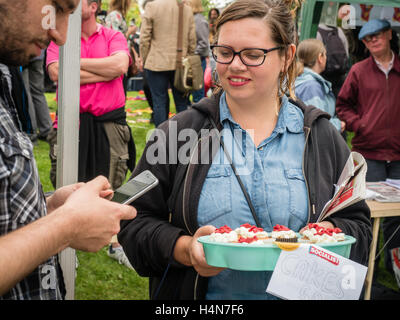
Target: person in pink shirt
[(106, 145)]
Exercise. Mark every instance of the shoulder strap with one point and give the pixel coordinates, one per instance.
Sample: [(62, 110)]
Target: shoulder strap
[(180, 35), (246, 195)]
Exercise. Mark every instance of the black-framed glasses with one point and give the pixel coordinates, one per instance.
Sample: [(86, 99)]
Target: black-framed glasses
[(251, 57)]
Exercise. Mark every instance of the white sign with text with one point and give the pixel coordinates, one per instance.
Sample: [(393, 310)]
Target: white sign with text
[(314, 273)]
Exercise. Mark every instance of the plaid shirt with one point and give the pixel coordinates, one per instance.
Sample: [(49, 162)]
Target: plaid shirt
[(21, 197)]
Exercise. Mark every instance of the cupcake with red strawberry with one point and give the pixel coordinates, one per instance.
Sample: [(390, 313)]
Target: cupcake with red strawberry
[(224, 234), (317, 234), (248, 231), (245, 234), (283, 234)]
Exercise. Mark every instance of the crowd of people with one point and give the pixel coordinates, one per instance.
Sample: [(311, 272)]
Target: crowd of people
[(291, 103)]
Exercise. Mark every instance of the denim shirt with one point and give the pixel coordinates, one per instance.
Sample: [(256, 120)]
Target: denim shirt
[(272, 175)]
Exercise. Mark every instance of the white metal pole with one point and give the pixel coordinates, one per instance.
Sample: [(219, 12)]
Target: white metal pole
[(68, 128)]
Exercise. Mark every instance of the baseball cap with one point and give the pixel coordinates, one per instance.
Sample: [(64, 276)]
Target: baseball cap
[(372, 27)]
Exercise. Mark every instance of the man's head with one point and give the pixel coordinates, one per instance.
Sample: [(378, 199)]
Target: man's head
[(29, 26), (376, 35)]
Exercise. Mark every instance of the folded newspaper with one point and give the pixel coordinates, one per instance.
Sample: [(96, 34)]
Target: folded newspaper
[(350, 188)]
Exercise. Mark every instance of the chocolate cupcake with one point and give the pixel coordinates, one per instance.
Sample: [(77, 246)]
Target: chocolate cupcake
[(288, 240)]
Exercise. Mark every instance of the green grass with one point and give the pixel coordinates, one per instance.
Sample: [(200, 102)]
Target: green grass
[(102, 278), (98, 276)]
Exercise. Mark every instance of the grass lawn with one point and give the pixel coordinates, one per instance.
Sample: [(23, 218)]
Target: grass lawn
[(98, 276)]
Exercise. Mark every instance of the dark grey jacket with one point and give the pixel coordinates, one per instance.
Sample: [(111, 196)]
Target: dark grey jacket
[(170, 210), (202, 33)]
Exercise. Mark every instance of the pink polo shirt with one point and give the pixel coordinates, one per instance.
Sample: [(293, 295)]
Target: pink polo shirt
[(101, 97)]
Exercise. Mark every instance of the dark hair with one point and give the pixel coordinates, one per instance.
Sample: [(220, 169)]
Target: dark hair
[(211, 10), (98, 2), (279, 16)]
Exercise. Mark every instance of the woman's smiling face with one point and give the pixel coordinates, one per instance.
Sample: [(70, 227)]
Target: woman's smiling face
[(242, 83)]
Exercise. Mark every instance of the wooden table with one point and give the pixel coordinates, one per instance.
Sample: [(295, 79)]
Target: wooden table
[(378, 210)]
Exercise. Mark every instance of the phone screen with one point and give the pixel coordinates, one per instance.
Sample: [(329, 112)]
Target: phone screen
[(127, 190)]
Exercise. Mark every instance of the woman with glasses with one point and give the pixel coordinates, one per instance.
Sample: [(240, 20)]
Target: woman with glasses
[(248, 154)]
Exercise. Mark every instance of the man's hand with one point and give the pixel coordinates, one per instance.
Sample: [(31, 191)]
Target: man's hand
[(139, 64), (342, 126), (52, 70), (94, 220), (58, 198)]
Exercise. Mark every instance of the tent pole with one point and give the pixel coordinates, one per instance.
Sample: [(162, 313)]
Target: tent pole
[(68, 128)]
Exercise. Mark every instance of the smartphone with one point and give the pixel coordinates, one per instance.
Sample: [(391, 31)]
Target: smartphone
[(135, 188)]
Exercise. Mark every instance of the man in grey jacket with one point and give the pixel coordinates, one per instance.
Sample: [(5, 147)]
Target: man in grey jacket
[(203, 44)]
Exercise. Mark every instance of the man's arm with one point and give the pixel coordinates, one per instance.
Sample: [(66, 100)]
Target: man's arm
[(146, 32), (109, 67), (85, 222), (192, 36), (85, 76), (89, 77)]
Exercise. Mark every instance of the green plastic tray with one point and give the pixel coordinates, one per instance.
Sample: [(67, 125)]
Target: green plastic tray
[(248, 257)]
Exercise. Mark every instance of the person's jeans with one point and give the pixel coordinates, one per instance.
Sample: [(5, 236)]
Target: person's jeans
[(159, 82), (33, 76), (380, 171), (199, 94)]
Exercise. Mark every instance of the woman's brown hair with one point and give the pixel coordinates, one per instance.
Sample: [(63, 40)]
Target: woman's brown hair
[(121, 6), (308, 52), (280, 17)]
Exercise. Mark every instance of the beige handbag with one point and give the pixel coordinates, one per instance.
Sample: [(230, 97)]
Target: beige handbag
[(188, 72)]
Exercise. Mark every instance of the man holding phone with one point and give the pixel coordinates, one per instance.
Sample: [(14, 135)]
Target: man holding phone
[(34, 229), (106, 144)]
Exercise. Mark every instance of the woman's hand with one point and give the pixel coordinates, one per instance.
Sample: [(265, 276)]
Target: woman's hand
[(189, 251)]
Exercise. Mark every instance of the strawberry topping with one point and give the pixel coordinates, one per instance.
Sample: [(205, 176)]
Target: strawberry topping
[(280, 227), (223, 229), (321, 230)]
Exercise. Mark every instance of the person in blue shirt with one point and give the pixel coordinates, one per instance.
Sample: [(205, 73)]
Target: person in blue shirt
[(287, 155), (310, 86)]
